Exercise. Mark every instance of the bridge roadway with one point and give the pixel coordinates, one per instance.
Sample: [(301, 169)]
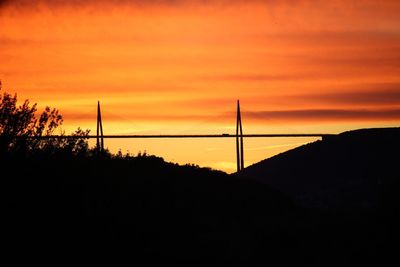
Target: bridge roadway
[(182, 136)]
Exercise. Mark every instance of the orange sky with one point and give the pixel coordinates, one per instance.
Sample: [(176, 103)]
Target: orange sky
[(179, 66)]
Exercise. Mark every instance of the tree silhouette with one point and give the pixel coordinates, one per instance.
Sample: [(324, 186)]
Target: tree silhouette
[(19, 125)]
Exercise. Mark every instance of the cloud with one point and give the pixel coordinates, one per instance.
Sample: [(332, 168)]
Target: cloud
[(331, 37), (37, 4), (155, 61), (363, 95), (78, 116), (299, 115), (257, 77), (321, 115), (385, 94), (81, 3)]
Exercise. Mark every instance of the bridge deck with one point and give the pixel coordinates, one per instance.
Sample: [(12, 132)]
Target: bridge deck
[(183, 136)]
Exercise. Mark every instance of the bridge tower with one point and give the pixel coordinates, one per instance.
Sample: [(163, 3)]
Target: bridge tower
[(99, 132), (239, 140)]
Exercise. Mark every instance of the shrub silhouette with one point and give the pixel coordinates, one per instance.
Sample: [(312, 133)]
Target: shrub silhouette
[(21, 127)]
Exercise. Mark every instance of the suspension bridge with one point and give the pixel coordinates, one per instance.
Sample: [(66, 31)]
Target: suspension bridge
[(239, 136)]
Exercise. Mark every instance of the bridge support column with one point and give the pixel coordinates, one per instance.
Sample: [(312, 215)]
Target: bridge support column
[(99, 132), (239, 140)]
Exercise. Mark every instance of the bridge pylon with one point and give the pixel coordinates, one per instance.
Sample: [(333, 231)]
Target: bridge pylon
[(99, 132), (239, 140)]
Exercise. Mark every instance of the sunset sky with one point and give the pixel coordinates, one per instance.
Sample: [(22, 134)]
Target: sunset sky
[(178, 67)]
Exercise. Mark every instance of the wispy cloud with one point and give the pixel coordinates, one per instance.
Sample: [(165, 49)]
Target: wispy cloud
[(321, 115), (304, 115), (365, 95), (387, 94), (254, 77)]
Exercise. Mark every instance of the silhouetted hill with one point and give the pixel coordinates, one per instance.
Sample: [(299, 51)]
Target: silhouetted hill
[(354, 170), (349, 189), (67, 209), (139, 209)]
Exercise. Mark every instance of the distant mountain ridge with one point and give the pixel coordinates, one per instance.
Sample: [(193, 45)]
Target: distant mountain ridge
[(351, 170)]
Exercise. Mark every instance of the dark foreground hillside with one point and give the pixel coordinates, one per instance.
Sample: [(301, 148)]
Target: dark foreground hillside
[(349, 187), (354, 170), (126, 211), (140, 210)]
